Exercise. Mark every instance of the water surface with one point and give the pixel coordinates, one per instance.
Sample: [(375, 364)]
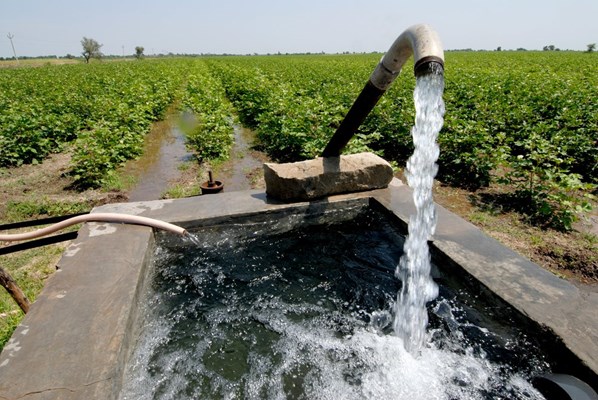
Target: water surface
[(299, 306)]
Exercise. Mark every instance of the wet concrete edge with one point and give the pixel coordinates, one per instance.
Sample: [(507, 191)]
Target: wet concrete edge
[(552, 304), (74, 342), (71, 344)]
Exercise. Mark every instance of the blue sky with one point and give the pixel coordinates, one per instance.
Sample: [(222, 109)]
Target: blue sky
[(43, 27)]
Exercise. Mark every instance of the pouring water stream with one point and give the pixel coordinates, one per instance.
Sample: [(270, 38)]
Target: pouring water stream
[(410, 315)]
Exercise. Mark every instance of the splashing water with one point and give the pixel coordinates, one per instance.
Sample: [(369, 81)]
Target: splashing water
[(192, 239), (411, 317), (249, 313)]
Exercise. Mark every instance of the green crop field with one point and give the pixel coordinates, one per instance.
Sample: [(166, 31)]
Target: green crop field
[(528, 120), (525, 119), (525, 122)]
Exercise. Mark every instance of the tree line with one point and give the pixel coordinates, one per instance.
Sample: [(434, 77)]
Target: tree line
[(92, 49)]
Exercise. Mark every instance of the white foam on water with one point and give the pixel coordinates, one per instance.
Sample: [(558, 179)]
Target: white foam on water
[(310, 359), (192, 239)]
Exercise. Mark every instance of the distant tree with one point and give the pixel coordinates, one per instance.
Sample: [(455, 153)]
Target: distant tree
[(139, 52), (499, 48), (521, 49), (69, 56), (91, 49), (591, 48), (549, 48)]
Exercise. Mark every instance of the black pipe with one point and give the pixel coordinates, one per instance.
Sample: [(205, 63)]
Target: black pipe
[(31, 244), (36, 222), (365, 103)]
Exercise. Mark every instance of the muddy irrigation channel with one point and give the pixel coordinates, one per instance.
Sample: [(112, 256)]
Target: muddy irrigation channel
[(167, 169)]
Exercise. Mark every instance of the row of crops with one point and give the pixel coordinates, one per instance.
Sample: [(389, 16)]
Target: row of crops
[(210, 131), (102, 111), (528, 121)]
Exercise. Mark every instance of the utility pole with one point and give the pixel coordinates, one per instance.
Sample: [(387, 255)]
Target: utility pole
[(10, 36)]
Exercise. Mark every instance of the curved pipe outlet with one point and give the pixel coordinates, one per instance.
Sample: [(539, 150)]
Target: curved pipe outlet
[(99, 217), (423, 43)]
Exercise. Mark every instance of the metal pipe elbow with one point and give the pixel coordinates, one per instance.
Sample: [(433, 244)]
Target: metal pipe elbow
[(422, 42)]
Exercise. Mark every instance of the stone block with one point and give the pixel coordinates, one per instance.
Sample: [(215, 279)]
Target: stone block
[(320, 177)]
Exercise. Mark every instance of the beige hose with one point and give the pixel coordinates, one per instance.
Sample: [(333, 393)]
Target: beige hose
[(99, 217)]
